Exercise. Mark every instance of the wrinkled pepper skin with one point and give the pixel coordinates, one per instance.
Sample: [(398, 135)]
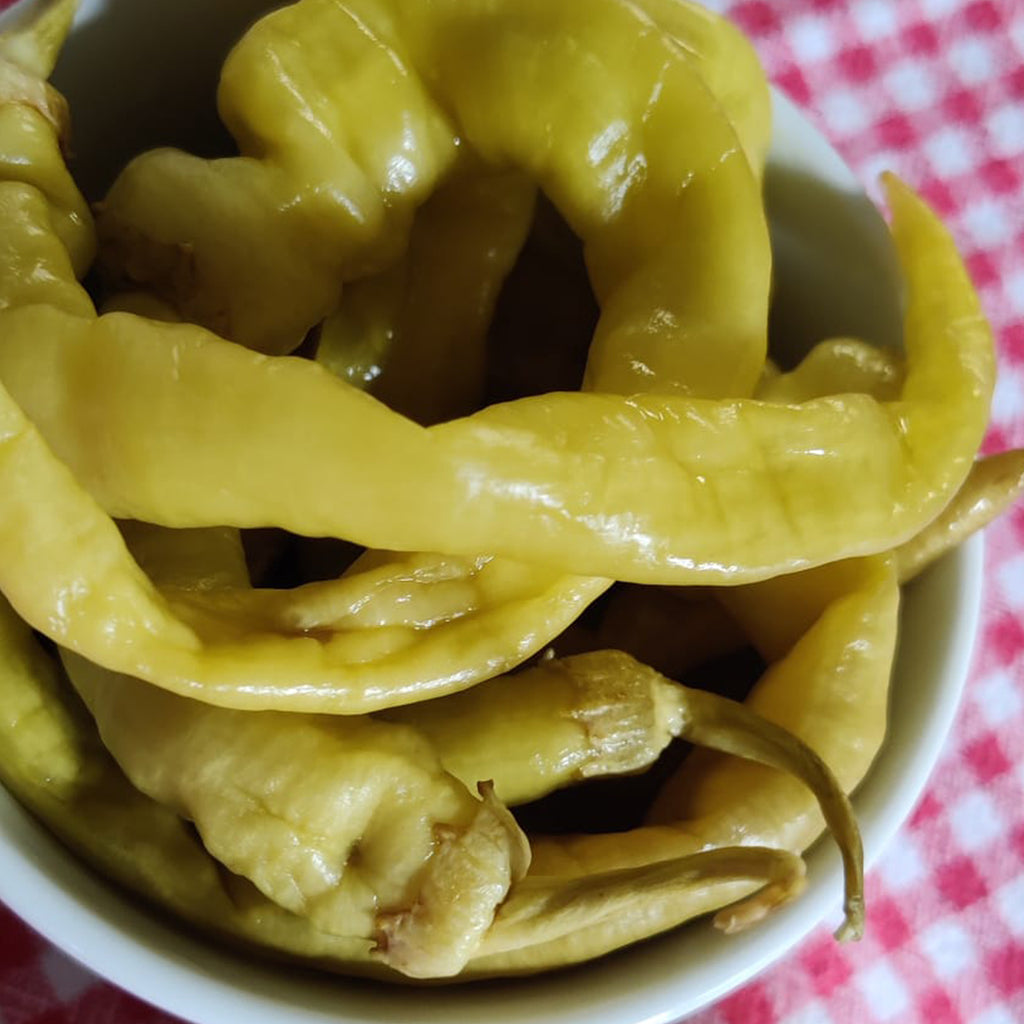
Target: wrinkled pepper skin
[(659, 515), (348, 822), (344, 135), (415, 335), (356, 841), (52, 759), (993, 485), (831, 689), (340, 143)]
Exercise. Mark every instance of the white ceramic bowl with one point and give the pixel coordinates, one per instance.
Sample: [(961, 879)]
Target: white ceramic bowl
[(135, 74)]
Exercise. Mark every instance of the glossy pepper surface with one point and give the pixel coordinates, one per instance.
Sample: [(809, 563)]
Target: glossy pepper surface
[(340, 153), (375, 179), (506, 478)]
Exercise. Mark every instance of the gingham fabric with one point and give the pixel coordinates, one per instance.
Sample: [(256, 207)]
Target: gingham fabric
[(933, 89)]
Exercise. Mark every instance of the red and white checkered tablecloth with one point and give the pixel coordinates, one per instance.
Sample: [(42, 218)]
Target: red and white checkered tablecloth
[(933, 89)]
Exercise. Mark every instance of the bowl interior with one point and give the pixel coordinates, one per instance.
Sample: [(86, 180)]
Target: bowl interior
[(835, 275)]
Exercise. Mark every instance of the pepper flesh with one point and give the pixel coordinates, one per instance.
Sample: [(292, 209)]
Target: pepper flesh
[(52, 759), (414, 336), (415, 947), (994, 483), (729, 65), (333, 164), (547, 726), (673, 302), (830, 689), (665, 468), (836, 366)]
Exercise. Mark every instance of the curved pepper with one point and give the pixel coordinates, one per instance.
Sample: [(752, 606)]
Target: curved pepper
[(414, 335), (993, 484), (464, 619), (729, 65), (605, 713), (548, 922), (390, 326), (830, 690), (550, 725), (372, 145), (349, 822), (34, 130), (445, 286), (53, 761), (340, 143), (834, 367), (632, 488)]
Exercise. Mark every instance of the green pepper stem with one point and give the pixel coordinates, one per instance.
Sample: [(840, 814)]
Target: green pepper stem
[(545, 908), (730, 727)]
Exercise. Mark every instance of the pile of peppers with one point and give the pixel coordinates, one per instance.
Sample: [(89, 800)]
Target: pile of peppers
[(292, 343)]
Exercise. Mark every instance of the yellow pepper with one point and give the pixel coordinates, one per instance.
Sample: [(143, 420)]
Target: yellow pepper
[(830, 689), (993, 485), (349, 822), (333, 165), (52, 760), (392, 330), (498, 480), (605, 713), (729, 65), (415, 335), (629, 487), (46, 230), (337, 109), (642, 488), (37, 267), (834, 367), (33, 131)]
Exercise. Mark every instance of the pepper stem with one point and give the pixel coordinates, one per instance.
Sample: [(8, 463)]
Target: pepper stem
[(545, 908), (730, 727)]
